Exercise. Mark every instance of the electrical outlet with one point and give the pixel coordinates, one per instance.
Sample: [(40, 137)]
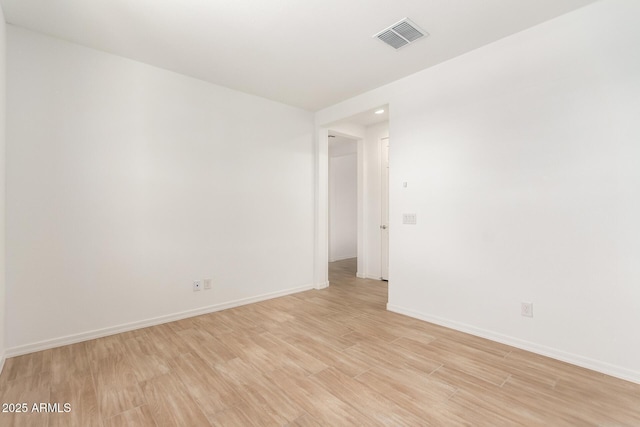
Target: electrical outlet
[(207, 284), (197, 285), (526, 309)]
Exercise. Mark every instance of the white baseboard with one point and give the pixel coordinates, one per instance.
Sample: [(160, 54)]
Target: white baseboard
[(367, 276), (99, 333), (574, 359), (322, 285)]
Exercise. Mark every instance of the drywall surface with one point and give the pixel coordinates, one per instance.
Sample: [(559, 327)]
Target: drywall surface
[(343, 204), (521, 160), (3, 52), (125, 183)]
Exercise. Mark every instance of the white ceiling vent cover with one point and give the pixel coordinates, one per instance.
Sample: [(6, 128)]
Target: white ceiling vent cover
[(401, 34)]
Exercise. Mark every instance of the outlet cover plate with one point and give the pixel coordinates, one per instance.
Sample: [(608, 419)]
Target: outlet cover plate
[(197, 285), (526, 309)]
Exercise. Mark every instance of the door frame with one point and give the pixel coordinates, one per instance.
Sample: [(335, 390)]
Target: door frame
[(321, 226), (360, 193), (321, 198)]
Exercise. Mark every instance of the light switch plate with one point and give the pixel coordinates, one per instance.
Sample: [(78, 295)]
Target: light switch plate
[(409, 218)]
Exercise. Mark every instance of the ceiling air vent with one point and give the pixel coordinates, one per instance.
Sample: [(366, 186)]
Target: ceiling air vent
[(401, 34)]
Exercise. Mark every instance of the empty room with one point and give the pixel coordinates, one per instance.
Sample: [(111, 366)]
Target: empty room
[(420, 212)]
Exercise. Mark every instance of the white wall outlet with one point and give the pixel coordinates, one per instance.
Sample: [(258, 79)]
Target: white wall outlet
[(409, 218), (197, 285), (526, 309), (207, 283)]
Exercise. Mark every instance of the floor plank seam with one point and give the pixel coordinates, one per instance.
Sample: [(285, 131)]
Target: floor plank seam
[(505, 380)]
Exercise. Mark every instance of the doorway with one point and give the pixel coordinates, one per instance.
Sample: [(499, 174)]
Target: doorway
[(343, 201), (369, 130)]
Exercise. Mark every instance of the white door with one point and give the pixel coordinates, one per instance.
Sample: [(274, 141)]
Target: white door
[(384, 226)]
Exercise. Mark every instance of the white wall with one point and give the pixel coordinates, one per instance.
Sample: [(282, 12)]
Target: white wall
[(126, 182), (3, 46), (522, 164), (343, 206)]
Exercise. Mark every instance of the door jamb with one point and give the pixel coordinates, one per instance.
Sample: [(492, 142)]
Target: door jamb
[(321, 226)]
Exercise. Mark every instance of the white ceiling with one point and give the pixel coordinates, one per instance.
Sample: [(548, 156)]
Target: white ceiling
[(309, 54)]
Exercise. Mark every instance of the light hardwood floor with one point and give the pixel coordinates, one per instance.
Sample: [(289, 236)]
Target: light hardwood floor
[(331, 357)]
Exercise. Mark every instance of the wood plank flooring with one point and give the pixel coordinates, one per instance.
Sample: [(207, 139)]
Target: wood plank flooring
[(318, 358)]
